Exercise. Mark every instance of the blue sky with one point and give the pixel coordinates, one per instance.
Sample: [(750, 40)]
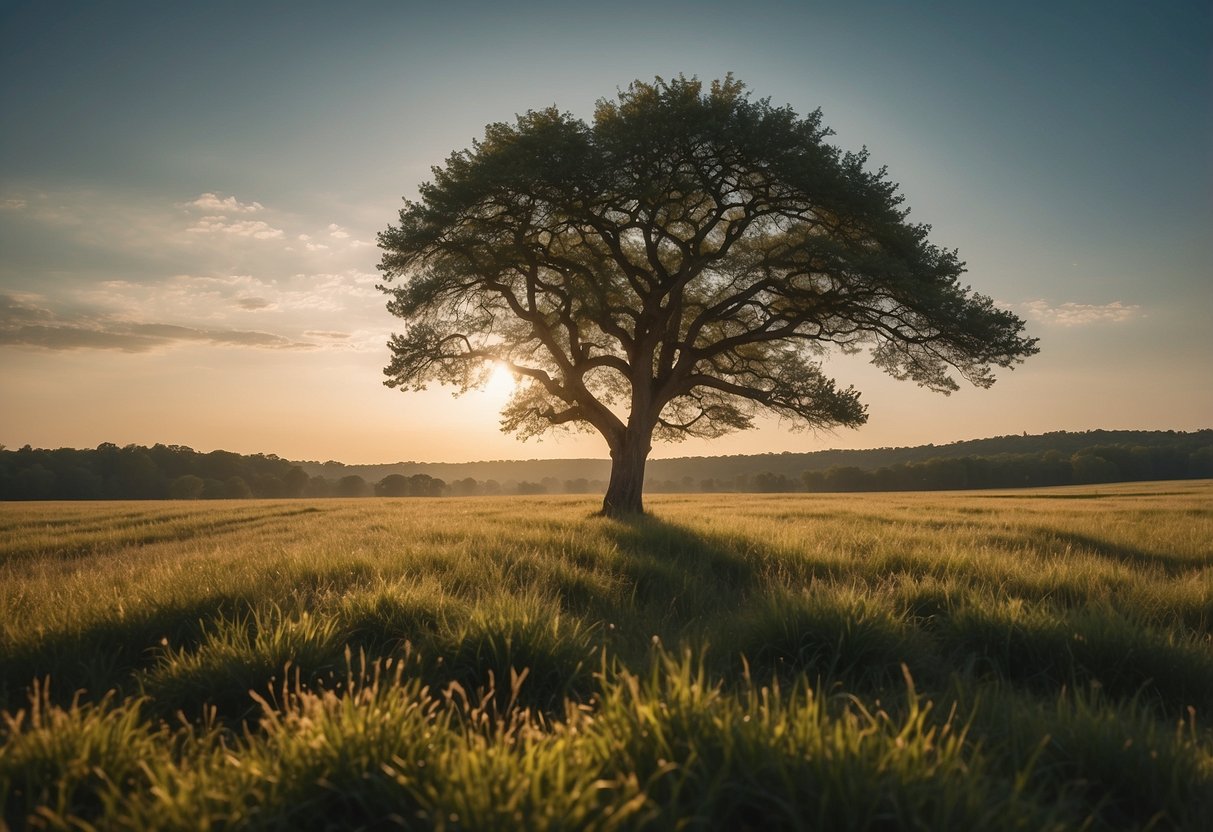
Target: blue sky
[(189, 194)]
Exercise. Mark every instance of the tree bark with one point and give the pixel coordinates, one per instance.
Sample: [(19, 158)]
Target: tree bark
[(624, 496)]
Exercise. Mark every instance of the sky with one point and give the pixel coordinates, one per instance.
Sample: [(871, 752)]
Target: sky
[(190, 194)]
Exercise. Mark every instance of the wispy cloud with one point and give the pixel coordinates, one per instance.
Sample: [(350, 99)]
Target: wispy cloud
[(215, 204), (1080, 314), (149, 238), (22, 323), (335, 291), (190, 298), (16, 309), (253, 304), (256, 229), (209, 266), (132, 337)]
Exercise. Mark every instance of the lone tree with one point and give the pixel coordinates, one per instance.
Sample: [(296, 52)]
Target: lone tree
[(671, 270)]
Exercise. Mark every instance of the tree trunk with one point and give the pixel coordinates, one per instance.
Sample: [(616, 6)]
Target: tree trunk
[(625, 490)]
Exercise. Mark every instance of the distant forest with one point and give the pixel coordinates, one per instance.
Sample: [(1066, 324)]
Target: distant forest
[(134, 472)]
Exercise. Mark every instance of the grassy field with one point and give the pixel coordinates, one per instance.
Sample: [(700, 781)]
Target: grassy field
[(980, 660)]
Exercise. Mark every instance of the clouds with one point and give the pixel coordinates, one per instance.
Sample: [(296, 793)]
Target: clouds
[(88, 231), (110, 270), (255, 229), (214, 204), (26, 322), (338, 236), (306, 239), (134, 338), (217, 220), (1071, 314), (253, 304), (303, 296), (326, 311)]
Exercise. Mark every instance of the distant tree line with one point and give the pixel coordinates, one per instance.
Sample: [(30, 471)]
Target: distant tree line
[(175, 472), (722, 472), (160, 472), (1097, 464)]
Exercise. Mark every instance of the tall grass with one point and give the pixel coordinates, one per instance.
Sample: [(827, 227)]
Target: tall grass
[(1018, 660)]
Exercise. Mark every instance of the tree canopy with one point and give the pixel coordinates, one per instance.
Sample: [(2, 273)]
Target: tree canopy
[(673, 269)]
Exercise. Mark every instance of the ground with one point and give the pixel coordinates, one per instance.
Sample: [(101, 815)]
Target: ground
[(1018, 659)]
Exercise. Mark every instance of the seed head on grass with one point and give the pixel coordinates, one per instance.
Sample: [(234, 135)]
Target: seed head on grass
[(70, 764)]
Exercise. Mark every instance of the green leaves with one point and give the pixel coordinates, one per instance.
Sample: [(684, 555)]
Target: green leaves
[(691, 252)]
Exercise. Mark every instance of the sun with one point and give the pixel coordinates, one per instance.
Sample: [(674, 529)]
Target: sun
[(501, 382)]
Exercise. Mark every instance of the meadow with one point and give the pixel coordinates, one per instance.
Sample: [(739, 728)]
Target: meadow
[(969, 660)]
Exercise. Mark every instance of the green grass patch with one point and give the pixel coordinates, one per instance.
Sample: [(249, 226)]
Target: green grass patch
[(906, 661)]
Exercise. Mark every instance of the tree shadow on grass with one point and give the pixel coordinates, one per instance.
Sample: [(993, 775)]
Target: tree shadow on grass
[(706, 592), (1062, 542), (105, 655), (678, 575), (703, 590), (1048, 652)]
